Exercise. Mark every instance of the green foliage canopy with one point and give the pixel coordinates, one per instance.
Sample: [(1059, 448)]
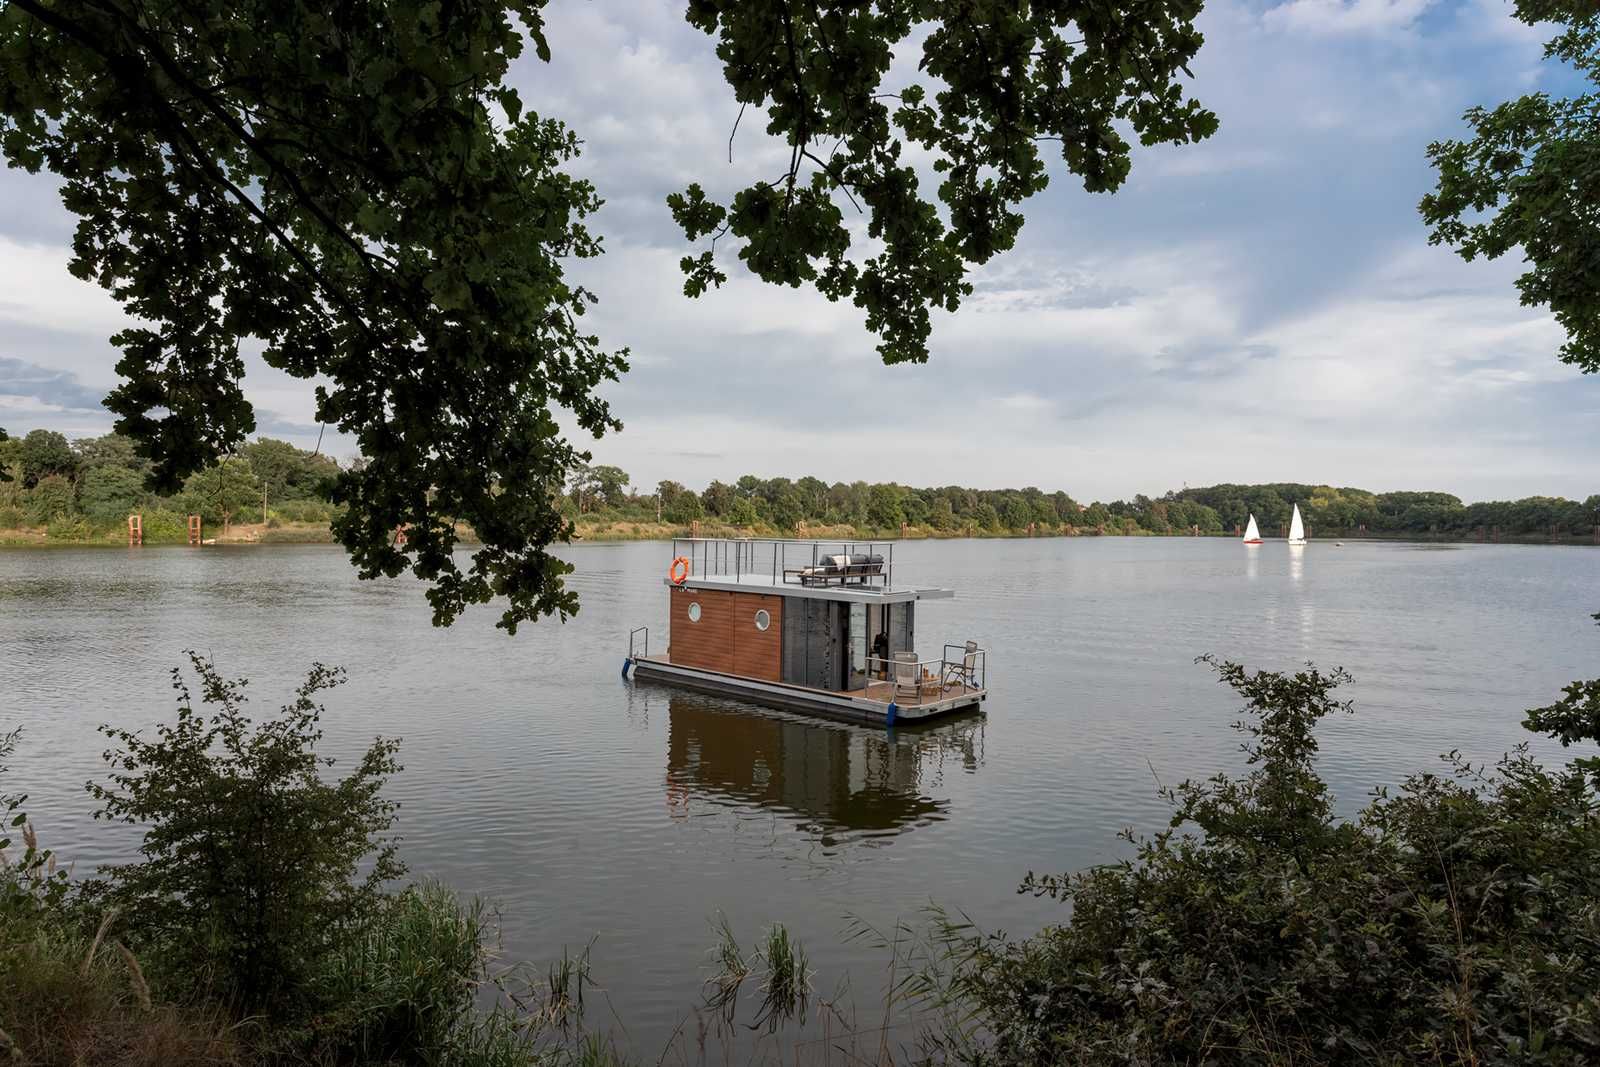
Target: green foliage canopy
[(287, 472), (995, 81), (221, 491), (1529, 178), (354, 186), (43, 453), (110, 492)]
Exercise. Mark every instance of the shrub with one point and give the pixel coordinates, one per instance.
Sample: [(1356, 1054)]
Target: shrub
[(304, 511), (50, 497), (250, 869), (1455, 921), (163, 526), (12, 517), (110, 492), (70, 528)]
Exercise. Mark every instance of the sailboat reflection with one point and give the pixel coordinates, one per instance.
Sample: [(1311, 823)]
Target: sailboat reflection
[(836, 779)]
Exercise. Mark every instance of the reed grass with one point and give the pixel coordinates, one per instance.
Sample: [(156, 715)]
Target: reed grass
[(786, 979), (730, 969)]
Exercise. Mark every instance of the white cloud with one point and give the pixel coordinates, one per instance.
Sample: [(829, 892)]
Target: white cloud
[(1335, 17), (36, 290)]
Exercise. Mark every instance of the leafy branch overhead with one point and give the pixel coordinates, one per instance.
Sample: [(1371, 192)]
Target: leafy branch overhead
[(997, 80), (1529, 179), (353, 188)]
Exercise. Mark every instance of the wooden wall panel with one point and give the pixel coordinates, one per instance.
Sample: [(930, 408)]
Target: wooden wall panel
[(757, 653), (707, 644)]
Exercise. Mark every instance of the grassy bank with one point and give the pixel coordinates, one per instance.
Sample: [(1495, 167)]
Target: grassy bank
[(602, 530), (288, 533)]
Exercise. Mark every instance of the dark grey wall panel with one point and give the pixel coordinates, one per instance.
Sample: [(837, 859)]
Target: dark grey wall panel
[(813, 642)]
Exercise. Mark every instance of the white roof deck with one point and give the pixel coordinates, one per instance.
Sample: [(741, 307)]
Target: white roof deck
[(764, 583), (850, 571)]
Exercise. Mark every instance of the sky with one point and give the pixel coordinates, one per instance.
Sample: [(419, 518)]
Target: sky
[(1263, 306)]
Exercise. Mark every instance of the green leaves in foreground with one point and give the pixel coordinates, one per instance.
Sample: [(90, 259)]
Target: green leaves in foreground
[(354, 189), (257, 863), (1456, 920), (995, 81), (1529, 180)]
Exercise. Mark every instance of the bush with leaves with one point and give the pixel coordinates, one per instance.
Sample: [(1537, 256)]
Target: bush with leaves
[(254, 865), (1455, 920)]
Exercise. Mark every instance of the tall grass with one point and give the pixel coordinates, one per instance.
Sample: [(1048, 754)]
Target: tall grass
[(419, 984), (401, 984), (70, 998)]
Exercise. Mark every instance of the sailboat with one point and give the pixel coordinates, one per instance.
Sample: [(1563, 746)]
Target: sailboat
[(1252, 535), (1297, 529)]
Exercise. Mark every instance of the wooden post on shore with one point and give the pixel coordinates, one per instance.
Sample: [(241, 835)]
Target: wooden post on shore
[(694, 527), (1238, 531), (135, 529), (194, 529), (903, 531)]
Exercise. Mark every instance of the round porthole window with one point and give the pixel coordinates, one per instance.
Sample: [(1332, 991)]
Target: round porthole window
[(763, 620), (694, 611)]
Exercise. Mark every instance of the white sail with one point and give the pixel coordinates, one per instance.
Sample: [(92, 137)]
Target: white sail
[(1297, 529), (1252, 536)]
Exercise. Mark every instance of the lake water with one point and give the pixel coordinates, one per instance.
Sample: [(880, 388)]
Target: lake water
[(591, 808)]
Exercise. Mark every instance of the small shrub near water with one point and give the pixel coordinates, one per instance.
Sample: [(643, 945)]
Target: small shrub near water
[(259, 929), (249, 875)]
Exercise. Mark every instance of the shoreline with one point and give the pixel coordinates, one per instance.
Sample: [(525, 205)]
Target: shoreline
[(315, 534)]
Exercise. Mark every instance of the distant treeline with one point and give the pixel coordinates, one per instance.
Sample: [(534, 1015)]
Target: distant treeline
[(85, 489), (786, 505)]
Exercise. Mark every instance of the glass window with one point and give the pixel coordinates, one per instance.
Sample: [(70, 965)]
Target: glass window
[(763, 620), (694, 611)]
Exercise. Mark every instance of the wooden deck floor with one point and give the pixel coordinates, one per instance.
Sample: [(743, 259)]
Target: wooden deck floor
[(930, 692)]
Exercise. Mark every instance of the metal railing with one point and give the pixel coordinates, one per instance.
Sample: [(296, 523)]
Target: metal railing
[(634, 651), (868, 565), (928, 680)]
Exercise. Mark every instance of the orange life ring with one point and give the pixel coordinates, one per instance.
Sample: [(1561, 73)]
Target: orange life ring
[(680, 570)]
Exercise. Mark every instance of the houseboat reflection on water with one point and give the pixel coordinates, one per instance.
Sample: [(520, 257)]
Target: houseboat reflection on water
[(834, 779)]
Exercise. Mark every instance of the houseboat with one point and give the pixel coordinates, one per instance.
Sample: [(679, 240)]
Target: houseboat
[(811, 626)]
